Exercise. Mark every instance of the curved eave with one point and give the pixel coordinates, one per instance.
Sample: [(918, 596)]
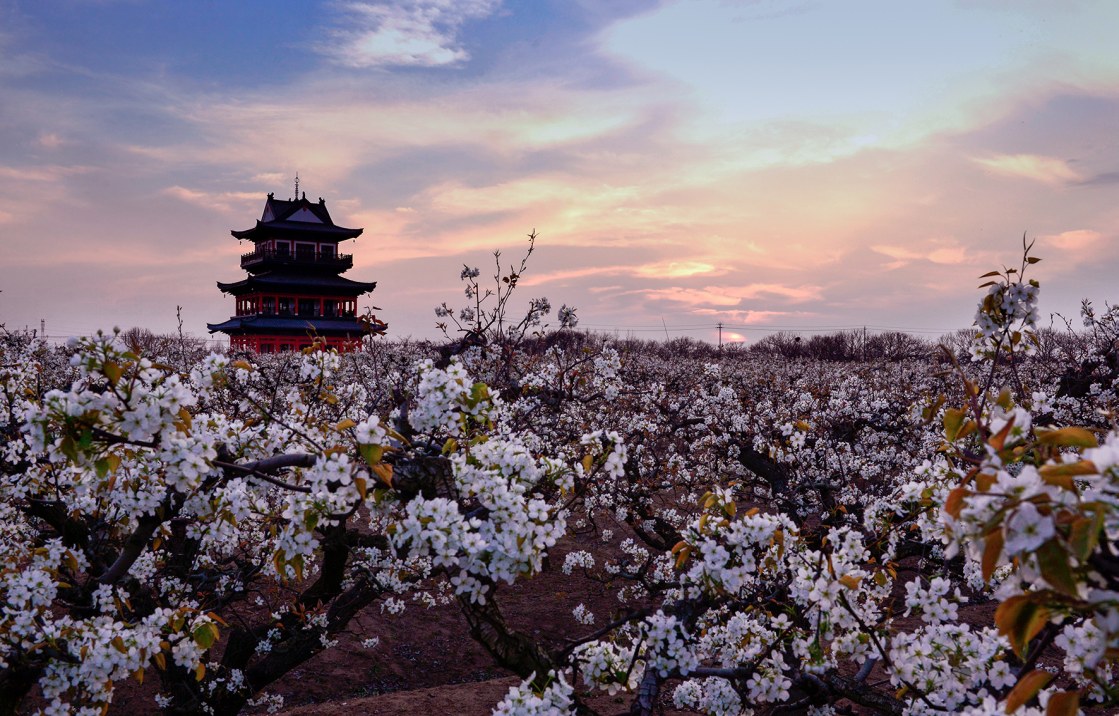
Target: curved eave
[(299, 285), (294, 326), (296, 230)]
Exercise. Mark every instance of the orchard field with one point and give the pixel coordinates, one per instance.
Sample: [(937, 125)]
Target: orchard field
[(820, 527)]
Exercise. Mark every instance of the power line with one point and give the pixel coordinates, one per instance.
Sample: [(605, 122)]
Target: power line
[(764, 327)]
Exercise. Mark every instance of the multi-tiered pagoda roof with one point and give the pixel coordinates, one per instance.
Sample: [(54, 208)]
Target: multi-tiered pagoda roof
[(294, 291)]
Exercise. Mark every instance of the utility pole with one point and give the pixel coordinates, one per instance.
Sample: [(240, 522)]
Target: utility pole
[(720, 335), (43, 328)]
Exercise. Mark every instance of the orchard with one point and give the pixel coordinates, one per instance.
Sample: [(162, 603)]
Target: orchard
[(781, 534)]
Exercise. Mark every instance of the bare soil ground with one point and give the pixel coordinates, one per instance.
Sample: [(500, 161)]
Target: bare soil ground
[(426, 661)]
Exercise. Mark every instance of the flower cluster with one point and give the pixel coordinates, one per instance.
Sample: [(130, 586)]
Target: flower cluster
[(522, 700)]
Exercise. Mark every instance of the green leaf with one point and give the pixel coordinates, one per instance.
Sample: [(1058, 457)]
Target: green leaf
[(205, 635), (1084, 536), (953, 421), (113, 372), (371, 453), (69, 448), (1054, 563)]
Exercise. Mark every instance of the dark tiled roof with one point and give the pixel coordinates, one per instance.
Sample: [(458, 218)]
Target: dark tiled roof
[(296, 230), (283, 209), (291, 325), (279, 226), (301, 283)]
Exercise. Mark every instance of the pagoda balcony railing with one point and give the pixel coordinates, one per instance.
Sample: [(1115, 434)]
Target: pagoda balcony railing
[(300, 258), (313, 313)]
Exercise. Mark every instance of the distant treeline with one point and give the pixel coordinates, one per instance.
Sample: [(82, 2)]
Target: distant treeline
[(1078, 358), (839, 346)]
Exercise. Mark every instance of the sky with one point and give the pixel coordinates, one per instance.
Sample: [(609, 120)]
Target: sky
[(807, 166)]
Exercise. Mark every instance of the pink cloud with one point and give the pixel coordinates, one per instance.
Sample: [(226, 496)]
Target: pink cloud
[(662, 269), (1075, 240), (950, 254), (1048, 170), (755, 317), (50, 140), (225, 201), (677, 269), (47, 173), (727, 296)]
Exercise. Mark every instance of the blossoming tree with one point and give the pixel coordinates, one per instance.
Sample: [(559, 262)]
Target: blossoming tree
[(776, 534)]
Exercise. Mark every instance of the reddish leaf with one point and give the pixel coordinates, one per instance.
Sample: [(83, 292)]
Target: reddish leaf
[(1084, 536), (955, 501), (1027, 688), (1019, 619), (1070, 469), (992, 549), (1068, 437), (999, 439), (1063, 703)]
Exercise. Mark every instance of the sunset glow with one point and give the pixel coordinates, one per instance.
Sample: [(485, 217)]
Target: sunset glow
[(767, 165)]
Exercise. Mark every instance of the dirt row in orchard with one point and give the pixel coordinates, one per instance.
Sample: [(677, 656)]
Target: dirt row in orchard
[(426, 661)]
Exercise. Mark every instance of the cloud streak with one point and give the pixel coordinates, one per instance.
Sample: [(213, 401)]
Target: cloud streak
[(226, 201), (1048, 170), (403, 33)]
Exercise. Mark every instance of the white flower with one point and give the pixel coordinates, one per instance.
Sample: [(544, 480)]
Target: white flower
[(1027, 529)]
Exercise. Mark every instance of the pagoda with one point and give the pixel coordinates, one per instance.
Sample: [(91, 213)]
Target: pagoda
[(295, 292)]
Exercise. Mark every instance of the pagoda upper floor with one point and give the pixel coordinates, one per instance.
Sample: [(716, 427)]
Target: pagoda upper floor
[(296, 234), (296, 220), (275, 254)]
